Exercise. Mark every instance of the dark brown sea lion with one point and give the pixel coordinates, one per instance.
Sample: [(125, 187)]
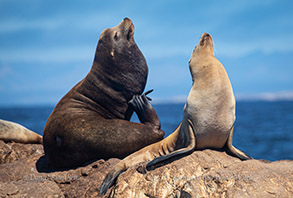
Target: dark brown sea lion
[(208, 117), (13, 132), (92, 120)]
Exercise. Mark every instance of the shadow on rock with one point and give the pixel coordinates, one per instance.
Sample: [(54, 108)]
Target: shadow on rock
[(43, 166)]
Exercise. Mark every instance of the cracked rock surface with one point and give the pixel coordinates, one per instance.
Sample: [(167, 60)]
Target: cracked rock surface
[(24, 172)]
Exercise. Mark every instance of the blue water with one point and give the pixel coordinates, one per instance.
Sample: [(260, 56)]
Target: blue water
[(264, 130)]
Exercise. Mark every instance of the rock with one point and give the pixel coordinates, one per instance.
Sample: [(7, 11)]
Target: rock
[(31, 175), (204, 173), (24, 188), (13, 151), (209, 173)]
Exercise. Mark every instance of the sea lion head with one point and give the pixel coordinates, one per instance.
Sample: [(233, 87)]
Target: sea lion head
[(205, 46), (203, 50), (117, 54), (117, 44), (118, 37)]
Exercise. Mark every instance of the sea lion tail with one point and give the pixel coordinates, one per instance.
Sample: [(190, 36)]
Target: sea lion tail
[(230, 149)]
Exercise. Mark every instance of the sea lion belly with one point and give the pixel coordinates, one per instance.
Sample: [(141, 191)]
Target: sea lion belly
[(210, 122)]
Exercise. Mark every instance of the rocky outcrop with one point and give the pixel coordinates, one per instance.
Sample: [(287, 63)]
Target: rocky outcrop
[(209, 173), (26, 173), (13, 151)]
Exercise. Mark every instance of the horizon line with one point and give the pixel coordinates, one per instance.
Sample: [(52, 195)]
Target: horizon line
[(261, 97)]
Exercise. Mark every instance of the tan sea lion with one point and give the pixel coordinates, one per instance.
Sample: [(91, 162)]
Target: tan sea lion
[(92, 121), (13, 132), (208, 117)]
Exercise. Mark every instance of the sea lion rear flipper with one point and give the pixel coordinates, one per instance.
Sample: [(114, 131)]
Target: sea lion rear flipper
[(109, 180), (190, 138), (147, 153), (182, 151), (230, 149)]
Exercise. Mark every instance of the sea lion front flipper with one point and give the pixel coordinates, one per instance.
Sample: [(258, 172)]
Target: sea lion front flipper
[(230, 149), (148, 92)]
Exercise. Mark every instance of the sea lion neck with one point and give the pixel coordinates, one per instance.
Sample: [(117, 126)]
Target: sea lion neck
[(125, 72), (110, 86), (119, 71), (202, 54)]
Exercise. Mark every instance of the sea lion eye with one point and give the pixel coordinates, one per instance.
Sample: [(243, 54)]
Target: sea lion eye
[(116, 36)]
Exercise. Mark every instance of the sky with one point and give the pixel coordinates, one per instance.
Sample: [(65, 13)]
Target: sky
[(46, 47)]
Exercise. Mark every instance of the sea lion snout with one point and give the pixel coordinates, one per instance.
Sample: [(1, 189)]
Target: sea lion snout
[(127, 24), (127, 28), (127, 19), (205, 38), (204, 35)]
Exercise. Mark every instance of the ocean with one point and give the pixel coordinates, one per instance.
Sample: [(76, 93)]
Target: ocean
[(263, 130)]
